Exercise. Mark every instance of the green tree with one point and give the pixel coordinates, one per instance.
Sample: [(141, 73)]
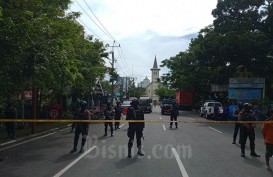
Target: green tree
[(239, 36), (164, 92)]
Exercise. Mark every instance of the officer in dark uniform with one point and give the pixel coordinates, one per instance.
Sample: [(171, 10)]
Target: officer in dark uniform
[(135, 113), (81, 127), (174, 113), (247, 130), (235, 115), (118, 111), (108, 114), (10, 113)]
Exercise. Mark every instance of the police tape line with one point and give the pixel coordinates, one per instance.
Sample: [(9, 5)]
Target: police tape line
[(122, 120)]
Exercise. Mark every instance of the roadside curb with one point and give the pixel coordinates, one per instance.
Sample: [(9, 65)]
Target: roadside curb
[(34, 135)]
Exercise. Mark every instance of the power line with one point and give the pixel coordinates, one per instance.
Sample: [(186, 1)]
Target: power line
[(99, 20), (92, 19), (122, 57), (91, 30), (125, 64)]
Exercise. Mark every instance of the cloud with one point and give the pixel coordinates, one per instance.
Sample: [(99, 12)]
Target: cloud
[(146, 28)]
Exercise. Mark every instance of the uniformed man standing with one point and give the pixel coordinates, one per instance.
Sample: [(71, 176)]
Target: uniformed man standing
[(247, 130), (235, 115), (174, 113), (81, 127), (118, 111), (135, 113), (10, 113), (108, 115)]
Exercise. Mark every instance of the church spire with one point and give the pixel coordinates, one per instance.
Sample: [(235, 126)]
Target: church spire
[(155, 63)]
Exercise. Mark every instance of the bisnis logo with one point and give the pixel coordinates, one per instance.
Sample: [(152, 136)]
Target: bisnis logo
[(112, 151)]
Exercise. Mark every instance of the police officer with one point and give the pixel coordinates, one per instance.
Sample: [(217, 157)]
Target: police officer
[(81, 127), (10, 113), (174, 113), (135, 113), (235, 115), (108, 114), (247, 130), (118, 111)]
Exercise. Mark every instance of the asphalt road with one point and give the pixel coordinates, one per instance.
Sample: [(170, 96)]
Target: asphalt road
[(194, 150)]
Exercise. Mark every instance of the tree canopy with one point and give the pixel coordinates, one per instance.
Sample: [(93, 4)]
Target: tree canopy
[(43, 46), (240, 38)]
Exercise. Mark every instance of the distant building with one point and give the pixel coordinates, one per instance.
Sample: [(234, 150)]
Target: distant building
[(144, 83), (150, 89)]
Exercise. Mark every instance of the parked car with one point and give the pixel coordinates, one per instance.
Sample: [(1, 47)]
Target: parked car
[(208, 109), (145, 105), (166, 106), (125, 106)]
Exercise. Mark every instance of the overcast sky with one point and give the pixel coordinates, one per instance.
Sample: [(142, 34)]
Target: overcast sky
[(144, 29)]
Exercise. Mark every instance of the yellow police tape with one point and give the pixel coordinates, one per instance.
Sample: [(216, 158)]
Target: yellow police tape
[(148, 121)]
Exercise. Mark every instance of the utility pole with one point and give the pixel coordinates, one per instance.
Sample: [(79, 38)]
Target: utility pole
[(112, 71)]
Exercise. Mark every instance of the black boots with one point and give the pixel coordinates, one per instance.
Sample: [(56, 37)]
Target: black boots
[(139, 152), (129, 152), (254, 154), (81, 150), (73, 150)]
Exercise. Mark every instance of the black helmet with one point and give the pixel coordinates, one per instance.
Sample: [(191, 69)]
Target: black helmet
[(246, 106), (108, 104), (83, 105)]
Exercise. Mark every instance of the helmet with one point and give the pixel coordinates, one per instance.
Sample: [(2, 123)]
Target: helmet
[(246, 106), (83, 104), (108, 104)]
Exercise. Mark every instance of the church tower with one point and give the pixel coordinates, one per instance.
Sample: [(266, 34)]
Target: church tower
[(155, 72), (155, 82)]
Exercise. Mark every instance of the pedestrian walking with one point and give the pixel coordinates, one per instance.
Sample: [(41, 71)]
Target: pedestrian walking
[(81, 127), (10, 113), (108, 114), (268, 139), (247, 130), (174, 113), (135, 128), (237, 125), (118, 112)]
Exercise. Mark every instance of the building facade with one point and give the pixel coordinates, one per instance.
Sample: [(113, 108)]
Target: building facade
[(144, 83)]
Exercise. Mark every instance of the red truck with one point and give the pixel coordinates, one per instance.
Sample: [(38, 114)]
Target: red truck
[(184, 99)]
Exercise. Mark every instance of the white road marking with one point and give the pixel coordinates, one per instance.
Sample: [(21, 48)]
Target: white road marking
[(164, 128), (180, 164), (121, 125), (64, 129), (74, 162), (27, 141), (160, 117), (215, 130), (192, 118)]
